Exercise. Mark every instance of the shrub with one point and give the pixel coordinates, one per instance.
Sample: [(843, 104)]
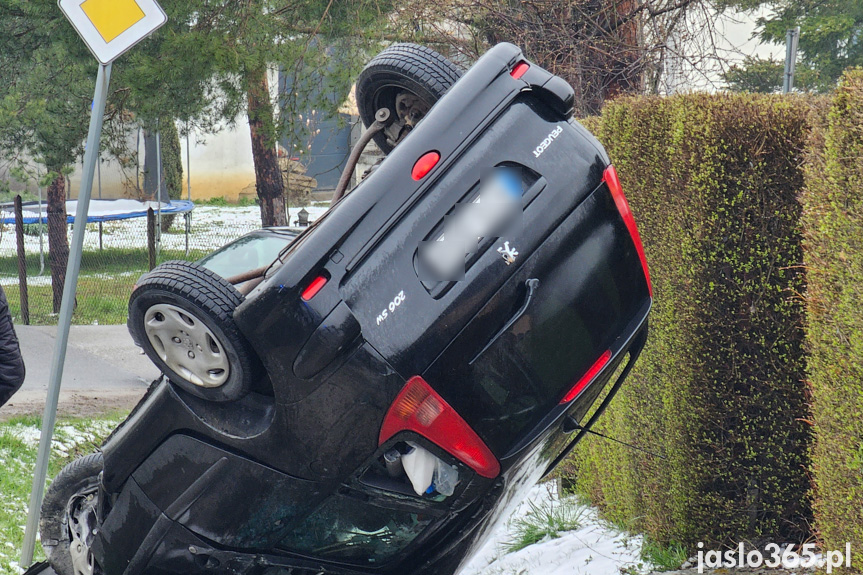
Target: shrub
[(712, 180), (172, 165), (833, 253)]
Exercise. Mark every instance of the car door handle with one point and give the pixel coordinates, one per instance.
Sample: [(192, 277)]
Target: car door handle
[(532, 284)]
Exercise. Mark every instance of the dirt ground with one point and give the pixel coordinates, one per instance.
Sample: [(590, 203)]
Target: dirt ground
[(73, 403)]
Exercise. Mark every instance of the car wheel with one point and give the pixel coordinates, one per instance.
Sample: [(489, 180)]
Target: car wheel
[(407, 79), (69, 521), (182, 315)]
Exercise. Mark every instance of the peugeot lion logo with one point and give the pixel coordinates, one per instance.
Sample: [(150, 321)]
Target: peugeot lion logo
[(509, 254)]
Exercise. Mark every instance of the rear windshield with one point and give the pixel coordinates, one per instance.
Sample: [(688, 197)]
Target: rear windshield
[(347, 530)]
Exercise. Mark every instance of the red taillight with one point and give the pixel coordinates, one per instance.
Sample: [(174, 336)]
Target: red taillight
[(420, 409), (585, 380), (613, 183), (424, 165), (313, 288), (519, 69)]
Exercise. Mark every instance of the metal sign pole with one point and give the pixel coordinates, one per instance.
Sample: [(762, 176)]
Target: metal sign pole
[(188, 166), (792, 40), (138, 163), (49, 418), (99, 173)]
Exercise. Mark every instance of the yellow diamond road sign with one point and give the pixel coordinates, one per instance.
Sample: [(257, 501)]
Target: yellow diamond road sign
[(110, 27), (112, 18)]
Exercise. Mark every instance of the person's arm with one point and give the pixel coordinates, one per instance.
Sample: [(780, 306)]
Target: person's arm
[(11, 362)]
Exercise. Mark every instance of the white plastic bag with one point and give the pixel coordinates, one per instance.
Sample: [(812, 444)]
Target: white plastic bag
[(419, 466), (426, 471), (445, 478)]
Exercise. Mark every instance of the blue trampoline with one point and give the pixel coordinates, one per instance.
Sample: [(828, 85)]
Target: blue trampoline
[(100, 210)]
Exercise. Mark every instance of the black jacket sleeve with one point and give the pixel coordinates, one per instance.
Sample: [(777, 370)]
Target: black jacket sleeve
[(11, 362)]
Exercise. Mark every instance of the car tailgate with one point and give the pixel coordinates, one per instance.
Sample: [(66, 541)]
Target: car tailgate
[(409, 321)]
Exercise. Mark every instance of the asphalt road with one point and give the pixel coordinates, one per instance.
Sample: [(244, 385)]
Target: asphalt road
[(104, 370)]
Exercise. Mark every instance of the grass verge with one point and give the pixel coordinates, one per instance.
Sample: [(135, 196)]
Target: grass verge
[(222, 201), (19, 440)]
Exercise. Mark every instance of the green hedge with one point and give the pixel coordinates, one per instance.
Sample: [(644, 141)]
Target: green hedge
[(833, 218), (712, 180)]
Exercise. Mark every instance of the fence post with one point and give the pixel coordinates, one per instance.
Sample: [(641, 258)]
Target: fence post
[(151, 237), (188, 217), (22, 261)]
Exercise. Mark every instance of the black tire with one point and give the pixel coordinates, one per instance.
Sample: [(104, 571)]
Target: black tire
[(203, 303), (78, 480), (410, 67)]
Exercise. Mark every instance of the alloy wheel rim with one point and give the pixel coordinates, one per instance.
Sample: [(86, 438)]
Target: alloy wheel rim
[(81, 523)]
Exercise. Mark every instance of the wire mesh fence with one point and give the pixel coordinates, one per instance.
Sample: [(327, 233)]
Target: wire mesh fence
[(115, 255)]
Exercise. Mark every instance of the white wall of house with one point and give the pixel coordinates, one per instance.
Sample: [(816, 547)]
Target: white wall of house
[(221, 166)]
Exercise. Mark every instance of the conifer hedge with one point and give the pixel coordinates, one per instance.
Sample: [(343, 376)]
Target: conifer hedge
[(719, 391), (833, 253)]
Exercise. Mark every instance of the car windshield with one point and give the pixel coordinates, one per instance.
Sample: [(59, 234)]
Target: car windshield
[(348, 530), (247, 253)]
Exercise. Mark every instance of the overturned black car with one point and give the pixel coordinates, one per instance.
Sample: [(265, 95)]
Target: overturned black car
[(348, 410)]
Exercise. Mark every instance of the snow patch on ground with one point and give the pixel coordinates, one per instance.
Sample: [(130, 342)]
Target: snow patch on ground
[(211, 228), (595, 548), (66, 438)]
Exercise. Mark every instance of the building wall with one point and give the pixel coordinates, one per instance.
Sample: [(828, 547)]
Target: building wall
[(221, 166)]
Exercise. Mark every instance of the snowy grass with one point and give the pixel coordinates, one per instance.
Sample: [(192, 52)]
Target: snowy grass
[(19, 442), (544, 521), (590, 547)]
